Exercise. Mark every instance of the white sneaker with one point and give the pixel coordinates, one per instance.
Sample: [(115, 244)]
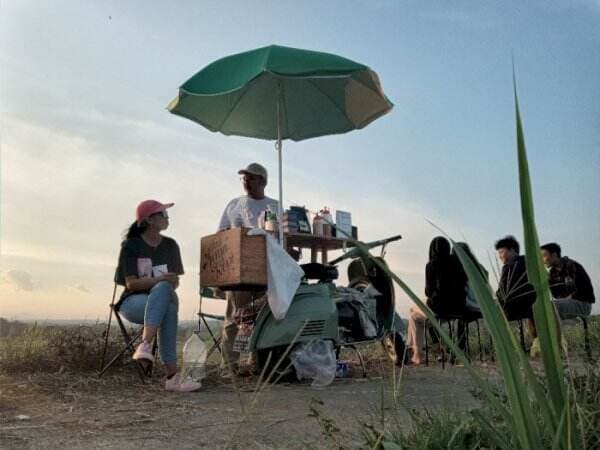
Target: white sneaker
[(144, 351), (179, 384)]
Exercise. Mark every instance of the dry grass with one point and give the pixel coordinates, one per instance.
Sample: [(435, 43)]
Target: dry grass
[(50, 348), (26, 348)]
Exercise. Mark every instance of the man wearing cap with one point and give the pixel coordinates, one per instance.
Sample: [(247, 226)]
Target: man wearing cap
[(243, 211)]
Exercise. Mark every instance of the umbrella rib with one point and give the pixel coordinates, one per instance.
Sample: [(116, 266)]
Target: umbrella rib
[(330, 99), (236, 103), (379, 93)]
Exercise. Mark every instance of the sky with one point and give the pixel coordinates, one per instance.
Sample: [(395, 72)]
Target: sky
[(85, 135)]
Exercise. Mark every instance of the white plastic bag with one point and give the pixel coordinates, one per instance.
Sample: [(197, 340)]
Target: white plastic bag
[(316, 360), (283, 276)]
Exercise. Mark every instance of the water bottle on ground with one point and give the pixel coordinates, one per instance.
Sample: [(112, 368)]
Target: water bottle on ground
[(194, 357)]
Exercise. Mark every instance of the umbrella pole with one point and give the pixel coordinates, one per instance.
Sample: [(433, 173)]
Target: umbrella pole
[(280, 158)]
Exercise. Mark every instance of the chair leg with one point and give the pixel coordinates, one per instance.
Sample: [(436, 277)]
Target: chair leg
[(522, 334), (462, 338), (426, 332), (453, 338), (150, 368), (467, 341), (118, 355), (479, 341), (443, 347), (106, 337), (586, 335), (216, 341), (107, 332), (129, 345)]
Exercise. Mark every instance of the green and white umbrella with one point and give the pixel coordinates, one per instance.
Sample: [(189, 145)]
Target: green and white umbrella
[(278, 93)]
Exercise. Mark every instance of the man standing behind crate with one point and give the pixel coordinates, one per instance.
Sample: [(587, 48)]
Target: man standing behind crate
[(243, 211)]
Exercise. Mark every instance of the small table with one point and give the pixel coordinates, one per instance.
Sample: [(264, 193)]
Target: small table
[(316, 244)]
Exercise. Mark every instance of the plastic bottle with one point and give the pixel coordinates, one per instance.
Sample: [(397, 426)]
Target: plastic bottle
[(318, 225), (194, 357), (327, 221), (271, 223)]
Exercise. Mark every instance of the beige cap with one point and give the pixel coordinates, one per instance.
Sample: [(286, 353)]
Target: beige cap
[(255, 169)]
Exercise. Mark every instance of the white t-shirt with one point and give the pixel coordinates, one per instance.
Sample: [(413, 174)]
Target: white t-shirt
[(245, 211)]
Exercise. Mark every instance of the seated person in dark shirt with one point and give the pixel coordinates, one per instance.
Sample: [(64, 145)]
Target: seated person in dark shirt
[(570, 284), (445, 283), (515, 294), (149, 268)]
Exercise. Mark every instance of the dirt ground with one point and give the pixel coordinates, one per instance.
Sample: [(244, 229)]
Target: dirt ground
[(81, 412)]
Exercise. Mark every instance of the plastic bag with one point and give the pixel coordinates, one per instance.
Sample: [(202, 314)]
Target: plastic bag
[(283, 276), (365, 303), (316, 360)]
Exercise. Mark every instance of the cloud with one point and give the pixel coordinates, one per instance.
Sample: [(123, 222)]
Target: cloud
[(19, 279), (79, 288)]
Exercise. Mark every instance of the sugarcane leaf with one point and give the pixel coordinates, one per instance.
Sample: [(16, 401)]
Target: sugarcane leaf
[(544, 313)]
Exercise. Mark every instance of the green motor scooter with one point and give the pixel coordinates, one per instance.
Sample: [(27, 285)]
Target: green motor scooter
[(314, 313)]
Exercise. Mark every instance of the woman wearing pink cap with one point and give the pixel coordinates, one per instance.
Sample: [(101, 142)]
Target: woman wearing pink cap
[(149, 268)]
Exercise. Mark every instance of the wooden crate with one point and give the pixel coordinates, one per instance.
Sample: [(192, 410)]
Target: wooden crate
[(232, 260)]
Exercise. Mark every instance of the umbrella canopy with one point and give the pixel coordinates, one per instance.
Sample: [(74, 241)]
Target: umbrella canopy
[(317, 94), (282, 93)]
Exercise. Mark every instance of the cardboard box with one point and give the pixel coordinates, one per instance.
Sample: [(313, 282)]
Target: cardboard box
[(343, 223), (232, 260)]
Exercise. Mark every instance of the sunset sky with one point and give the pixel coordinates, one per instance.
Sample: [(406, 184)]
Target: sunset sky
[(85, 134)]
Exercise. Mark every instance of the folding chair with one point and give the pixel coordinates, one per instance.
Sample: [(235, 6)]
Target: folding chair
[(202, 316), (467, 318), (129, 340)]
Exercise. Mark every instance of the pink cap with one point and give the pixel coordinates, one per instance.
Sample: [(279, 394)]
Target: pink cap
[(149, 207)]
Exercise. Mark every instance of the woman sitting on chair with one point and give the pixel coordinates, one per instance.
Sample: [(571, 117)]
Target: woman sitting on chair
[(149, 268), (445, 282)]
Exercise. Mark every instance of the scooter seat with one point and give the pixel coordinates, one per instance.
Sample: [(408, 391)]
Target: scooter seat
[(321, 272)]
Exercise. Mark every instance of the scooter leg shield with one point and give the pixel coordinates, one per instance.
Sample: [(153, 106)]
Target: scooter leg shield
[(312, 311)]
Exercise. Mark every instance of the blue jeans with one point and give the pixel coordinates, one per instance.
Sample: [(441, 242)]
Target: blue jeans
[(569, 308), (158, 308)]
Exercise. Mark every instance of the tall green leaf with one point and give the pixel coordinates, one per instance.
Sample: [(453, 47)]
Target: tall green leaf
[(543, 310)]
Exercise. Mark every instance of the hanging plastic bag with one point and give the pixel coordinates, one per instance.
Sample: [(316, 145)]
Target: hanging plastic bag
[(316, 360), (283, 276), (194, 357)]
